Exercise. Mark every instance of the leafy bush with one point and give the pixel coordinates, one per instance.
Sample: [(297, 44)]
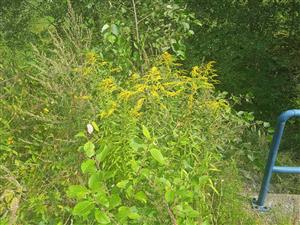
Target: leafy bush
[(152, 155)]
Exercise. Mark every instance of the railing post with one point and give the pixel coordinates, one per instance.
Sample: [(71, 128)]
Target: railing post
[(269, 169)]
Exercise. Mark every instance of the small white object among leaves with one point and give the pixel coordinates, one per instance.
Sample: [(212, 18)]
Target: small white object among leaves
[(89, 128)]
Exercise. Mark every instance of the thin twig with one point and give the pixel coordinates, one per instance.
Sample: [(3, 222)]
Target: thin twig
[(173, 219), (136, 22)]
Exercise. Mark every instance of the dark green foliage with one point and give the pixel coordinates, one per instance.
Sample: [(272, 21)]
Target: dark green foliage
[(256, 45)]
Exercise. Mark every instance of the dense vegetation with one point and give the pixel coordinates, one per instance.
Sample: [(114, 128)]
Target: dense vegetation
[(143, 112)]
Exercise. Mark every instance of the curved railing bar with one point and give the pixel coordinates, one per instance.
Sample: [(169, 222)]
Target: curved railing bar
[(270, 167)]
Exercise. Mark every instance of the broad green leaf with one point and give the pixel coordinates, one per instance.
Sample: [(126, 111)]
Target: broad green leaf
[(95, 126), (203, 180), (135, 145), (95, 182), (141, 196), (129, 191), (83, 208), (103, 154), (123, 212), (146, 132), (134, 216), (89, 149), (156, 154), (77, 191), (114, 29), (114, 201), (101, 217), (104, 28), (134, 165), (80, 134), (88, 166), (102, 199), (169, 196), (111, 38), (122, 184)]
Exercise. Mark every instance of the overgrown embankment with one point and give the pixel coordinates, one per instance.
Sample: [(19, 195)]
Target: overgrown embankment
[(101, 122)]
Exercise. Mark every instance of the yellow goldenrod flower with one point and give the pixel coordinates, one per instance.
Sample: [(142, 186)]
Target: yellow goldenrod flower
[(125, 95), (138, 107), (10, 141), (154, 74), (154, 93), (45, 110), (140, 88), (215, 105), (77, 70), (167, 58), (190, 102), (91, 58), (103, 63), (110, 111), (195, 71), (135, 76), (86, 71), (172, 93), (116, 70), (108, 85)]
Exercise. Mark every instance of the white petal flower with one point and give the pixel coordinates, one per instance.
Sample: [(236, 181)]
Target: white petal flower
[(89, 128)]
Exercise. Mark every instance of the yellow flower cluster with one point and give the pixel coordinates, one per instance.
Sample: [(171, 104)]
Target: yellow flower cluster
[(91, 58), (10, 141), (157, 87), (216, 105), (168, 59), (108, 85), (92, 62), (138, 106), (110, 111)]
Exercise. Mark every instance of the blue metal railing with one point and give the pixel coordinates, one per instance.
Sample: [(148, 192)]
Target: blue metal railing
[(270, 167)]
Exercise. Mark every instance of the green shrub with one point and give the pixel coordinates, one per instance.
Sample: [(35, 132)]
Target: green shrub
[(152, 155)]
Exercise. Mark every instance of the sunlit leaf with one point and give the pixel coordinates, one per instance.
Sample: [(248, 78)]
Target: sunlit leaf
[(156, 154)]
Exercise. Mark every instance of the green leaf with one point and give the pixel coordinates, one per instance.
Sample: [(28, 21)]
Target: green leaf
[(141, 196), (89, 149), (114, 201), (136, 145), (95, 126), (203, 180), (88, 166), (134, 165), (156, 154), (83, 208), (101, 217), (103, 154), (114, 29), (77, 191), (39, 25), (102, 199), (80, 134), (95, 182), (146, 132), (123, 212), (170, 196), (122, 184), (104, 28), (134, 216)]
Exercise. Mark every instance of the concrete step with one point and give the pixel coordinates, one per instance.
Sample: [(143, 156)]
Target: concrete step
[(284, 204)]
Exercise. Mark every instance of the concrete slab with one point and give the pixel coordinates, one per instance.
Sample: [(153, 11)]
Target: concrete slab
[(285, 204)]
